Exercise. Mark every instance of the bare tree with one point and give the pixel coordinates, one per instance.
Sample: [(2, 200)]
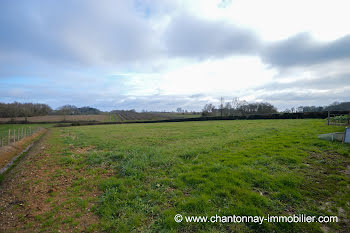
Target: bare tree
[(16, 109), (228, 109), (209, 109), (66, 110)]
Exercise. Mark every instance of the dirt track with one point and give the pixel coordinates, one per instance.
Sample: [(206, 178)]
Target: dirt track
[(8, 152), (13, 190), (26, 189)]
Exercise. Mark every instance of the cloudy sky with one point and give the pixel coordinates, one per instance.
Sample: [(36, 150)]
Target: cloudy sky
[(160, 55)]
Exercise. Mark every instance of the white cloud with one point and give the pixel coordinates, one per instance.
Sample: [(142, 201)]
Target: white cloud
[(276, 19), (186, 52), (229, 76)]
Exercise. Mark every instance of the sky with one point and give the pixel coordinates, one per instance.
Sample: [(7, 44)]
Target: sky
[(161, 55)]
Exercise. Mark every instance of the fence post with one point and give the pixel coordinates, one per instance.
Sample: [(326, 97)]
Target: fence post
[(18, 138), (9, 138), (2, 141), (328, 117), (14, 135), (22, 132)]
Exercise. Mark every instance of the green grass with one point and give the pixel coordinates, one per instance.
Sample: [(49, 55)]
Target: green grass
[(4, 128), (260, 167)]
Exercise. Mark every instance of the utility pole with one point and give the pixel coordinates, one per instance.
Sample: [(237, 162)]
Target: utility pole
[(221, 105)]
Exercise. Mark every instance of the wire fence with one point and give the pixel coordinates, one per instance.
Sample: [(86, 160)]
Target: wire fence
[(15, 135)]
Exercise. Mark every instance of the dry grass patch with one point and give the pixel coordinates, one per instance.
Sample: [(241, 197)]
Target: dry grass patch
[(7, 153)]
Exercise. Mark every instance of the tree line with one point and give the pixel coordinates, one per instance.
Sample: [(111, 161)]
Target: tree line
[(235, 107), (335, 106), (74, 110), (16, 109), (238, 107)]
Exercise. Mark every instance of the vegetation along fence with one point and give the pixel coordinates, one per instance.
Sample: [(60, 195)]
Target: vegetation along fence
[(15, 135), (338, 118)]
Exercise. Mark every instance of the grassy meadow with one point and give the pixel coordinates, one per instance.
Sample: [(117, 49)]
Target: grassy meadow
[(145, 174)]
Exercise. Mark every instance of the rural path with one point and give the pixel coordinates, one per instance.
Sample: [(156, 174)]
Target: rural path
[(7, 153), (30, 194), (16, 191)]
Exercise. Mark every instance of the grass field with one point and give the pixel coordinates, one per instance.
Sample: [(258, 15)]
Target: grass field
[(113, 117), (4, 128), (137, 177)]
